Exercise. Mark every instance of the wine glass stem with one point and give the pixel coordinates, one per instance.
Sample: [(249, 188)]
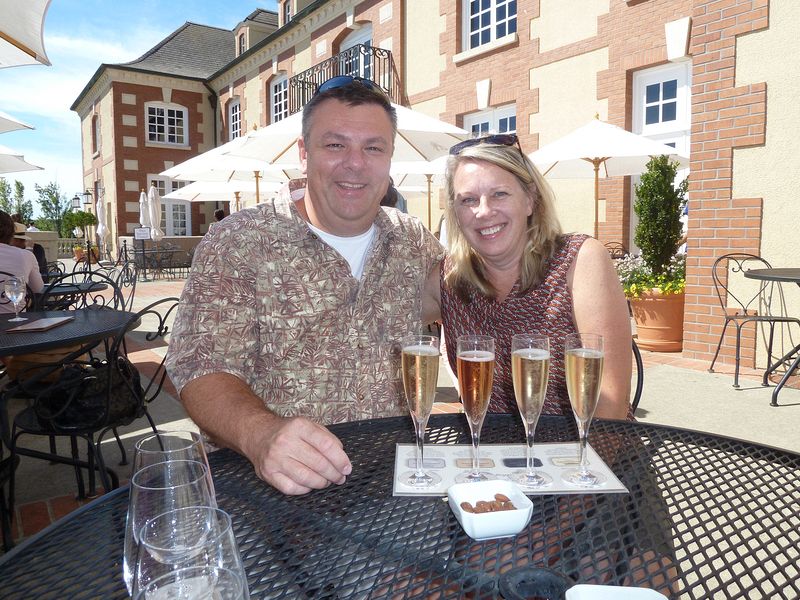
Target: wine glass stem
[(420, 427), (529, 451), (476, 437), (583, 430)]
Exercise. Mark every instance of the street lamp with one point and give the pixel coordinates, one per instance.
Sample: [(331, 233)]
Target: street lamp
[(84, 198)]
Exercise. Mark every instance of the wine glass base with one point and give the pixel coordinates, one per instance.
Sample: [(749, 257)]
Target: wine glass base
[(426, 480), (17, 319), (473, 477), (587, 479), (531, 481)]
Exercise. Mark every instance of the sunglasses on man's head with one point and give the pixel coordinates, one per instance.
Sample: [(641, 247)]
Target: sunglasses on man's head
[(343, 80), (498, 139)]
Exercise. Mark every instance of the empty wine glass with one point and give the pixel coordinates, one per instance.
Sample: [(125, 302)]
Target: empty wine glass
[(583, 355), (420, 369), (156, 489), (15, 290), (194, 536), (171, 445), (195, 583), (530, 367), (475, 365)]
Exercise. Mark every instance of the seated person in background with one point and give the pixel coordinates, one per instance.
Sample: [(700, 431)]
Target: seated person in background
[(17, 261), (219, 214), (32, 226), (24, 241), (394, 198), (289, 319), (511, 270)]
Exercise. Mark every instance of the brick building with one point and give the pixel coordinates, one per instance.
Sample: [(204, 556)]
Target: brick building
[(711, 77)]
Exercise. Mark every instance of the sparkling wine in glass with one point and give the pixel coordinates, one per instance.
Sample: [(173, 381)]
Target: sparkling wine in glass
[(530, 367), (14, 289), (583, 355), (156, 489), (420, 370), (475, 366)]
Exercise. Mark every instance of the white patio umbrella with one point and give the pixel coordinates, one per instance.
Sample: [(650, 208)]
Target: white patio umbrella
[(599, 149), (217, 165), (154, 207), (419, 138), (9, 123), (12, 161), (144, 210), (102, 230), (414, 176), (22, 32), (237, 192)]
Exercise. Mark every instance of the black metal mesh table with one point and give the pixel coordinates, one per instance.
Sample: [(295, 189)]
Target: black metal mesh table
[(707, 517)]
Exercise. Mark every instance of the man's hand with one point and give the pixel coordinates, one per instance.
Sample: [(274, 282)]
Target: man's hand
[(296, 455)]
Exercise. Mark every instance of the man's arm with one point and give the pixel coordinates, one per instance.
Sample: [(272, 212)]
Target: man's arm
[(294, 455)]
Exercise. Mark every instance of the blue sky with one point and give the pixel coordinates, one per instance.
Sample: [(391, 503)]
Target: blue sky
[(79, 35)]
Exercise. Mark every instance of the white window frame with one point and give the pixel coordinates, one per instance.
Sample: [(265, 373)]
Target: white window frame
[(168, 206), (287, 11), (234, 119), (492, 26), (241, 45), (363, 68), (171, 111), (493, 120), (278, 98)]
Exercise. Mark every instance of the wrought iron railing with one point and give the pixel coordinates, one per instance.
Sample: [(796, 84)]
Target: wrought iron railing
[(369, 62)]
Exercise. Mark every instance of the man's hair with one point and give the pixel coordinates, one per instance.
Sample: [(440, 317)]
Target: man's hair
[(219, 214), (351, 94), (544, 230), (6, 228)]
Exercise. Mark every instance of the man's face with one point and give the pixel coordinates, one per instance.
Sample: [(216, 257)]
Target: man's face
[(346, 159)]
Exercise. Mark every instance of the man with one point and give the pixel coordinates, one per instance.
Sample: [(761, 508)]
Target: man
[(16, 261), (290, 317), (219, 214)]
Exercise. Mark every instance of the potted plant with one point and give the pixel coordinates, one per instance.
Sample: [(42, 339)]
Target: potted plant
[(654, 282), (80, 219), (77, 252)]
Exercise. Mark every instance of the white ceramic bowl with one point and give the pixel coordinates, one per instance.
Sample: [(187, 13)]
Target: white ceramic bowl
[(489, 525)]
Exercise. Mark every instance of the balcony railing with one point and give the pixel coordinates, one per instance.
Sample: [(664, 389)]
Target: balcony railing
[(374, 64)]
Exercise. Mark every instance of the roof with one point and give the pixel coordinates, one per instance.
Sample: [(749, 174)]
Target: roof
[(192, 50), (265, 17)]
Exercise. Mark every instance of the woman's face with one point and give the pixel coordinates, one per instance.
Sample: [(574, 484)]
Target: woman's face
[(492, 209)]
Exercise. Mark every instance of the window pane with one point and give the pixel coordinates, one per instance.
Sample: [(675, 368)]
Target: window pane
[(651, 115), (670, 89), (652, 93), (669, 111)]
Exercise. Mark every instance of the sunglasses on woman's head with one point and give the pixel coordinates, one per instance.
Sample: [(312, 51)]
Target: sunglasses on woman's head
[(343, 80), (498, 139)]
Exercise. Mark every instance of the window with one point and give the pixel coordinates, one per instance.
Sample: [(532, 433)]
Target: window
[(242, 44), (496, 120), (175, 214), (95, 134), (357, 62), (488, 20), (166, 124), (661, 107), (279, 94), (287, 11), (234, 119)]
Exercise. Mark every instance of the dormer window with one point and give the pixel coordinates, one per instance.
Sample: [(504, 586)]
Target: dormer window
[(242, 43), (287, 11)]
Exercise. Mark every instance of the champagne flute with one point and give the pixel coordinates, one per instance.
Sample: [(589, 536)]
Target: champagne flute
[(195, 583), (156, 489), (15, 292), (195, 536), (530, 366), (420, 369), (583, 355), (171, 445), (475, 366)]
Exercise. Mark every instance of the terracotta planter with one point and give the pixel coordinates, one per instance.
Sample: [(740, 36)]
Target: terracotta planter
[(77, 253), (659, 321)]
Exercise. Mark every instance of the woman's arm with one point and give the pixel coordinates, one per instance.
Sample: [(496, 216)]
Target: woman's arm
[(599, 306)]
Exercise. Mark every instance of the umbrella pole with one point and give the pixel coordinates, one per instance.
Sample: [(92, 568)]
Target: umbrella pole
[(428, 177), (236, 195), (257, 175), (596, 196)]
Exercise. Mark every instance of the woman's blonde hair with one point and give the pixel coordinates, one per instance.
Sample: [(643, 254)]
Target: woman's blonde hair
[(467, 268)]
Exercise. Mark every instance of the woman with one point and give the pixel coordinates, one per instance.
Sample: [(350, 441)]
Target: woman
[(511, 270)]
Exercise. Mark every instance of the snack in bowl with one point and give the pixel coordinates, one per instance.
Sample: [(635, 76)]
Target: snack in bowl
[(490, 509)]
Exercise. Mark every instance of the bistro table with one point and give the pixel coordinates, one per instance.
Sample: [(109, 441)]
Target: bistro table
[(728, 507), (65, 295), (780, 275)]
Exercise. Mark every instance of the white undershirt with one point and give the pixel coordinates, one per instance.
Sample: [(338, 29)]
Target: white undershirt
[(353, 249)]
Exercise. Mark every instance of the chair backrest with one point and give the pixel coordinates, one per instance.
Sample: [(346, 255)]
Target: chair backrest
[(126, 276), (81, 290), (5, 304), (637, 394), (727, 270), (616, 250)]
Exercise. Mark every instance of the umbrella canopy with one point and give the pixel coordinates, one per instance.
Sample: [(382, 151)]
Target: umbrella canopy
[(102, 230), (154, 207), (237, 192), (144, 210), (12, 161), (419, 138), (22, 32), (9, 123), (415, 176), (599, 149)]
